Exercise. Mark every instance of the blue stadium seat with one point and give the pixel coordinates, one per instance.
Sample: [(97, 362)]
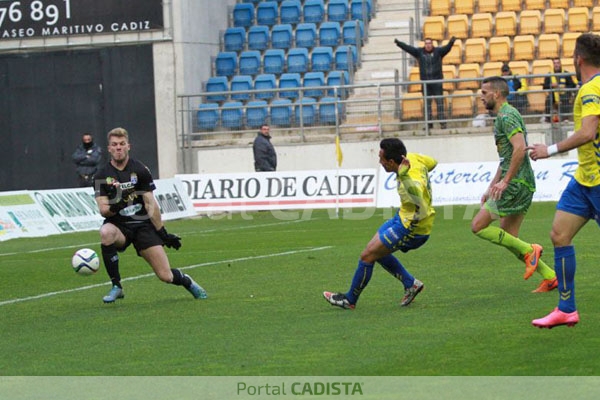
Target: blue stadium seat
[(337, 78), (208, 116), (337, 10), (342, 62), (313, 79), (267, 13), (226, 63), (234, 39), (256, 113), (274, 61), (258, 37), (255, 2), (330, 34), (265, 82), (243, 15), (356, 9), (350, 31), (290, 12), (289, 80), (217, 84), (309, 111), (306, 35), (322, 59), (281, 112), (314, 11), (297, 60), (281, 36), (250, 62), (232, 115), (241, 83), (327, 107)]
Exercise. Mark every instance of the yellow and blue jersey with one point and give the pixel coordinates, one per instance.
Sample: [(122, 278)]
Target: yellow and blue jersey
[(587, 103)]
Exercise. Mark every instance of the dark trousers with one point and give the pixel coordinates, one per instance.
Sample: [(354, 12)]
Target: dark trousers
[(85, 180), (435, 89), (564, 108)]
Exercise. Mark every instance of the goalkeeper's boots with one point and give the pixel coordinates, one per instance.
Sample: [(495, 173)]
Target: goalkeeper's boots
[(114, 294), (196, 290), (547, 285), (532, 259), (557, 318), (338, 300), (411, 293)]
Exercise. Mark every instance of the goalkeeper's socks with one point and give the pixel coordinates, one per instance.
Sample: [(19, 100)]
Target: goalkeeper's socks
[(565, 266), (361, 279), (180, 279), (110, 256), (392, 265)]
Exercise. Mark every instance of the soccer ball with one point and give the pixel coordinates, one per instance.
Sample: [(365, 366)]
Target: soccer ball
[(85, 262)]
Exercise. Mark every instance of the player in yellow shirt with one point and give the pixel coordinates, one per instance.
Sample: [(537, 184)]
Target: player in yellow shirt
[(580, 201), (409, 229)]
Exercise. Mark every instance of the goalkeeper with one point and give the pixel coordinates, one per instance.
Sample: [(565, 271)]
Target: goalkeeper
[(124, 195)]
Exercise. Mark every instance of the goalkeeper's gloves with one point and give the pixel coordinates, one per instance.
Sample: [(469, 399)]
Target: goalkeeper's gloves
[(170, 240)]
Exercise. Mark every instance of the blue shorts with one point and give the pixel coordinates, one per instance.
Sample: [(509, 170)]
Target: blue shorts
[(580, 200), (396, 237)]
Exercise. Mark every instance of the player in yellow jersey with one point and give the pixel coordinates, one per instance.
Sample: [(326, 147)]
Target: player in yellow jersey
[(580, 201), (409, 229)]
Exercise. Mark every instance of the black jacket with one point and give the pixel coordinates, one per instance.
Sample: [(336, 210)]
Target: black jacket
[(87, 160), (430, 64), (265, 158)]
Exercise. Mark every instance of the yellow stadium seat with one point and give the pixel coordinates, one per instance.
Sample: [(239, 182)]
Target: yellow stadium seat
[(449, 72), (462, 103), (536, 98), (523, 47), (506, 23), (578, 19), (434, 27), (568, 43), (412, 106), (596, 19), (458, 26), (439, 7), (468, 71), (455, 55), (530, 22), (475, 50), (540, 67), (583, 3), (535, 4), (414, 76), (519, 67), (493, 68), (511, 5), (487, 6), (549, 45), (554, 20), (499, 48), (464, 7), (482, 25), (564, 4)]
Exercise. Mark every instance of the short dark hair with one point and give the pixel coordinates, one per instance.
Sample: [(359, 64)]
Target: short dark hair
[(505, 68), (587, 46), (498, 83), (393, 149)]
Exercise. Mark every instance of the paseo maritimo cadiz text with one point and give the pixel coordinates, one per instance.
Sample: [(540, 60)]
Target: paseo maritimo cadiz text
[(301, 389), (76, 29)]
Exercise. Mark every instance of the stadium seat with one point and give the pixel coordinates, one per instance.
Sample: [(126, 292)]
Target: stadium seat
[(464, 7), (297, 60), (539, 67), (449, 72), (307, 115), (439, 7), (267, 13), (414, 76), (524, 47), (536, 98), (341, 57), (243, 15), (482, 25), (455, 55), (217, 84), (412, 106), (499, 48), (583, 3), (462, 103), (530, 22), (339, 79), (519, 67), (290, 12), (458, 26), (492, 68), (564, 4), (313, 79), (330, 34), (314, 11), (306, 35), (596, 19), (281, 36), (256, 113), (490, 6), (353, 32), (258, 37), (287, 81), (327, 110), (208, 116), (250, 62), (578, 19), (243, 84), (281, 112), (360, 10), (274, 61), (554, 20), (226, 63), (264, 83), (234, 39), (511, 5), (471, 72), (475, 50), (548, 45), (321, 59), (232, 115), (434, 27), (535, 4), (506, 23), (337, 10)]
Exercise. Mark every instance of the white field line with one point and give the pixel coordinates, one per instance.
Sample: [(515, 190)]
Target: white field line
[(132, 278)]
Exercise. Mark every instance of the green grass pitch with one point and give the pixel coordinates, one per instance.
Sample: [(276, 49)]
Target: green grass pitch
[(264, 273)]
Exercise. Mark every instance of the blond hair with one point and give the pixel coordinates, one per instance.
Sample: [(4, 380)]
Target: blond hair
[(118, 132)]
